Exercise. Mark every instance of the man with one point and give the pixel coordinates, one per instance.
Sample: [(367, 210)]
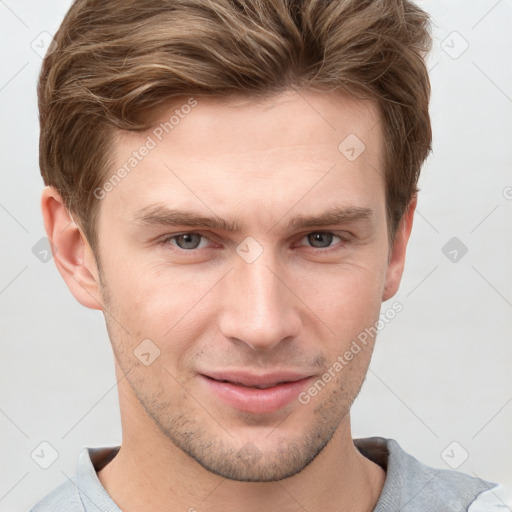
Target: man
[(233, 184)]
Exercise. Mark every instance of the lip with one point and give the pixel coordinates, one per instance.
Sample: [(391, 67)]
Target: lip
[(257, 394)]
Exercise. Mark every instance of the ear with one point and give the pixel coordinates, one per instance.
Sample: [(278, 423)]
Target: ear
[(71, 251), (397, 254)]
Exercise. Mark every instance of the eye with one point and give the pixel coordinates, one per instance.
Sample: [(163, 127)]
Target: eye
[(185, 241), (322, 239), (192, 241)]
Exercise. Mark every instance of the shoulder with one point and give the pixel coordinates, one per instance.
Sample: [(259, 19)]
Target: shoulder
[(84, 491), (435, 489), (65, 497), (412, 486), (491, 501)]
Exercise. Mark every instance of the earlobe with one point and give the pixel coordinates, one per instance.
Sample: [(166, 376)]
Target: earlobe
[(397, 255), (71, 251)]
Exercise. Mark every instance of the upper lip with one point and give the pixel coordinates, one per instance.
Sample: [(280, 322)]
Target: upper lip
[(265, 380)]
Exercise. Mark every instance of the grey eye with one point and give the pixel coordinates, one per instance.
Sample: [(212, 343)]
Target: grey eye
[(188, 240), (323, 239)]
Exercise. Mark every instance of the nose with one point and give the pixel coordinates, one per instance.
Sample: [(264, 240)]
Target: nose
[(259, 307)]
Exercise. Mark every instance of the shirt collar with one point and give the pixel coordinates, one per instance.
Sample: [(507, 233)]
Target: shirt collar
[(409, 486)]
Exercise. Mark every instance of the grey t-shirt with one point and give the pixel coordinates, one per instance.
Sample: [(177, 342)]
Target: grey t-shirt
[(410, 486)]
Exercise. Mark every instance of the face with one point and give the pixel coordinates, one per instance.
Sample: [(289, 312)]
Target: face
[(240, 257)]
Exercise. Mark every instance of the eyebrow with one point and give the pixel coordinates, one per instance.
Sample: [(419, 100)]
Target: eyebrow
[(162, 216)]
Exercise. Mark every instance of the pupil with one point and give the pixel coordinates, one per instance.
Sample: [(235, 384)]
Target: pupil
[(314, 237), (187, 240)]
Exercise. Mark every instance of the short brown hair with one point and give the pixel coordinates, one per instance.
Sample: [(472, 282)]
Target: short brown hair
[(116, 61)]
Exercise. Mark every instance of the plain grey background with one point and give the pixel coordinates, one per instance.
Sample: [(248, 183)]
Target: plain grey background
[(439, 382)]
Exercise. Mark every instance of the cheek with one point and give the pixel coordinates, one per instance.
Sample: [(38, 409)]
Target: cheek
[(174, 304), (163, 304), (346, 297)]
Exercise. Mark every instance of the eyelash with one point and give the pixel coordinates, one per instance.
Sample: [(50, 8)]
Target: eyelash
[(343, 240)]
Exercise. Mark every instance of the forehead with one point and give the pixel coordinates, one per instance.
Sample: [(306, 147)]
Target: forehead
[(215, 154), (238, 123)]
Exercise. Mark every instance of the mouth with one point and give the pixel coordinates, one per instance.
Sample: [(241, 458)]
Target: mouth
[(257, 386), (256, 394)]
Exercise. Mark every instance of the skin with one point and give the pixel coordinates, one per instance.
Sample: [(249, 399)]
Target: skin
[(293, 308)]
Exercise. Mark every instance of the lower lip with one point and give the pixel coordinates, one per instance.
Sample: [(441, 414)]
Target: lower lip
[(255, 400)]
